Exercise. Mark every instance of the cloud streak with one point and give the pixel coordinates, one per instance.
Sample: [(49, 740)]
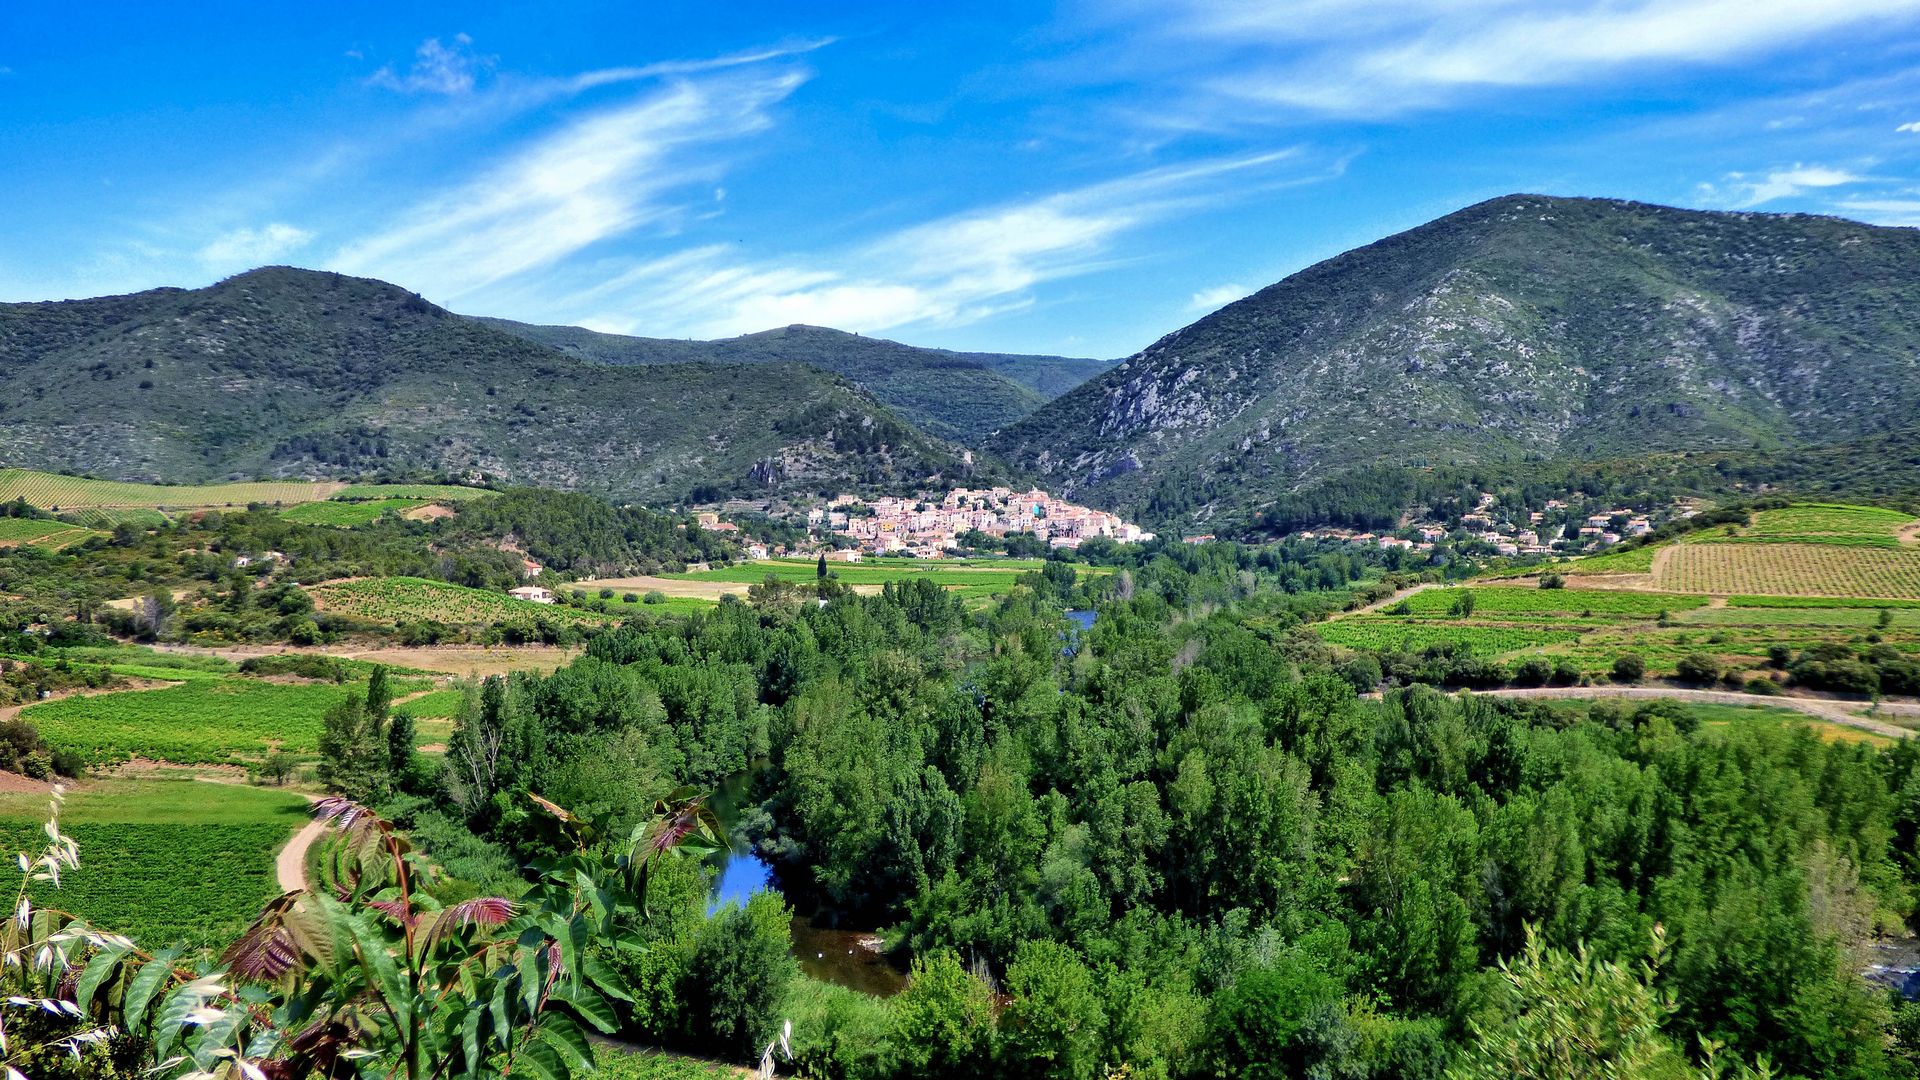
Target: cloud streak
[(1740, 190), (1342, 58), (437, 69), (249, 247), (598, 177), (952, 271)]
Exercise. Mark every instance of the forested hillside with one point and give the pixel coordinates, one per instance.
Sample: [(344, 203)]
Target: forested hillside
[(951, 394), (286, 372), (1517, 331)]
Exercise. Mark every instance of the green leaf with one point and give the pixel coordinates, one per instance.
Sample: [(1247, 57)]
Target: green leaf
[(592, 1007), (470, 1035), (531, 982), (605, 979), (538, 1059), (140, 991), (382, 970), (570, 1039), (98, 970)]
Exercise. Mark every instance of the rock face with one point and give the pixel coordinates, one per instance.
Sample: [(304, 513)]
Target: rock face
[(1522, 328), (282, 371)]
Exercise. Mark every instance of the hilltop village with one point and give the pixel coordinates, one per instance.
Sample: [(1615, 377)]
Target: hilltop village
[(929, 529), (1558, 528)]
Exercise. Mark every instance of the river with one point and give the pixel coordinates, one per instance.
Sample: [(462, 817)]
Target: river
[(849, 958)]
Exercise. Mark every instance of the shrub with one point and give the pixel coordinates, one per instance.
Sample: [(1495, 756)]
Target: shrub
[(1760, 684), (606, 594), (743, 964), (1779, 656), (656, 597), (1629, 668), (630, 598), (1533, 671), (1552, 581), (943, 1021), (1565, 673), (1697, 668)]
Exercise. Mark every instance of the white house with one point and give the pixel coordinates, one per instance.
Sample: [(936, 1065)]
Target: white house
[(533, 593)]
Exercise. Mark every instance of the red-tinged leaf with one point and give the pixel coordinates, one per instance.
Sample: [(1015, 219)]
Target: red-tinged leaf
[(395, 910)]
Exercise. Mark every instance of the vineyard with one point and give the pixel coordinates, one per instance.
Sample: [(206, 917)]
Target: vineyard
[(47, 534), (346, 515), (51, 491), (1792, 570), (421, 492), (1846, 526), (1377, 632), (972, 578), (1535, 601), (1631, 561), (206, 849), (195, 722), (109, 518), (402, 599)]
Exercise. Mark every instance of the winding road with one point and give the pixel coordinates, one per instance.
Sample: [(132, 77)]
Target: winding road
[(290, 866)]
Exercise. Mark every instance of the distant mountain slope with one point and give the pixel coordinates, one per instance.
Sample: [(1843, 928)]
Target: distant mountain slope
[(1524, 328), (288, 372), (951, 394)]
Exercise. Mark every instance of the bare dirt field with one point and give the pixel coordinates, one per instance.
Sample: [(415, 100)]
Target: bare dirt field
[(446, 659), (682, 587)]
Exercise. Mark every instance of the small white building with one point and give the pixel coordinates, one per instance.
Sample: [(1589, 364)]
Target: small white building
[(843, 555), (536, 594), (756, 551)]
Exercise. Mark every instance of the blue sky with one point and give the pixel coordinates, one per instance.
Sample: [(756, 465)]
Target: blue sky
[(1079, 178)]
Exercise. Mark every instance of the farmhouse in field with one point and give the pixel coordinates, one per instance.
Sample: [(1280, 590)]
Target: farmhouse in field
[(534, 593)]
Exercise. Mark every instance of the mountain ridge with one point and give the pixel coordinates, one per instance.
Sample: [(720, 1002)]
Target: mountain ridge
[(955, 395), (1525, 327), (281, 371)]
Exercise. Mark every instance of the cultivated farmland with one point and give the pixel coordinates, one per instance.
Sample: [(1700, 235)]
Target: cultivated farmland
[(1383, 632), (1510, 600), (1846, 526), (195, 722), (1791, 569), (346, 515), (52, 490), (47, 534), (423, 492), (168, 861), (403, 600)]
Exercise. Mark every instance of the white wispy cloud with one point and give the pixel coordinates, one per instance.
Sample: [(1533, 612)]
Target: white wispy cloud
[(437, 69), (1356, 58), (952, 271), (245, 248), (1914, 127), (1882, 211), (1217, 297), (1742, 190), (598, 177)]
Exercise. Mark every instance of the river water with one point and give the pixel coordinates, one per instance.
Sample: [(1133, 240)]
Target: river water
[(849, 958)]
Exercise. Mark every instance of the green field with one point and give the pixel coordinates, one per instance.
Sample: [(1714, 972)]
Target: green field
[(164, 861), (1511, 600), (52, 490), (1716, 715), (1630, 561), (403, 599), (420, 492), (346, 515), (1385, 632), (972, 578), (195, 722), (140, 662), (108, 518), (1815, 523), (47, 534)]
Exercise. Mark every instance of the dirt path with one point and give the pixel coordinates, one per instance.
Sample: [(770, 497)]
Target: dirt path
[(290, 866), (1379, 605), (1819, 708)]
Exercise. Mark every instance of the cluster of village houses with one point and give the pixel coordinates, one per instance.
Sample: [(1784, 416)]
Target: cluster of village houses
[(1542, 532), (929, 529)]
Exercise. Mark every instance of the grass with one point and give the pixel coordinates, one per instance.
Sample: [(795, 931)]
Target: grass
[(1386, 632), (1631, 561), (420, 492), (46, 534), (52, 490), (1816, 523), (972, 578), (108, 518), (661, 1065), (1508, 600), (346, 515), (194, 722), (1792, 569), (406, 599), (163, 861), (1718, 715)]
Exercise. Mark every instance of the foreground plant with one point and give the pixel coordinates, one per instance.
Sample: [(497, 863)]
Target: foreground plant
[(377, 979)]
